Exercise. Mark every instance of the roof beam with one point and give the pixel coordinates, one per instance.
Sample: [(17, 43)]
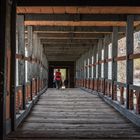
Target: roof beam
[(78, 10), (68, 41), (75, 17), (67, 46), (70, 36), (77, 3), (76, 29)]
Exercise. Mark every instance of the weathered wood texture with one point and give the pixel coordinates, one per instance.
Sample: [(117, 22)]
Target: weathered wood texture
[(74, 114)]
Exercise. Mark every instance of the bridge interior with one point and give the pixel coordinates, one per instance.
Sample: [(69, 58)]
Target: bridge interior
[(98, 43)]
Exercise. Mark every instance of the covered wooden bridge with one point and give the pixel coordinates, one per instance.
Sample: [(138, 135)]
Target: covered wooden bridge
[(95, 44)]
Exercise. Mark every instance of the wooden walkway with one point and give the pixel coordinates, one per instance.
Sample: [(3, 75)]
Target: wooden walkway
[(74, 114)]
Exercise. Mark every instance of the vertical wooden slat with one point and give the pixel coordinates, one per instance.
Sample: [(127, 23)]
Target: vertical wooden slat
[(115, 92), (121, 95), (131, 105)]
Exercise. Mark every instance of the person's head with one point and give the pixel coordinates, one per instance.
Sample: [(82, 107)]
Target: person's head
[(58, 70)]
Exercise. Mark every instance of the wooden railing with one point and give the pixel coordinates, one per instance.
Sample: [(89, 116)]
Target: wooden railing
[(134, 98), (31, 90), (95, 84), (119, 92), (101, 85), (28, 92), (108, 88), (19, 99), (114, 90)]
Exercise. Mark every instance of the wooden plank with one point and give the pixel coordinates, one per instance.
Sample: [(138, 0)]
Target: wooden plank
[(74, 114)]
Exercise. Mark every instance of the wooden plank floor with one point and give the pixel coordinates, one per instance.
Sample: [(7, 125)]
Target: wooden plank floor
[(74, 114)]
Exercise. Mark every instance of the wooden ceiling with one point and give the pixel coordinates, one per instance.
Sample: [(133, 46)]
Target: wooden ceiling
[(64, 38)]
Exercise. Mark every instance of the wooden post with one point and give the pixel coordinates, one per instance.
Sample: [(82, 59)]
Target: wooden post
[(82, 73), (94, 70), (13, 67), (21, 46), (105, 64), (2, 68), (129, 50), (30, 50), (99, 57), (99, 65), (114, 54)]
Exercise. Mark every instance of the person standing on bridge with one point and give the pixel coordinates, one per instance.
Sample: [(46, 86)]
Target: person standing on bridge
[(58, 79)]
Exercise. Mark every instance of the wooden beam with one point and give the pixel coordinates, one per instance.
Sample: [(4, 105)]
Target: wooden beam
[(68, 41), (79, 9), (57, 50), (70, 35), (76, 3), (129, 50), (75, 17), (77, 29), (77, 23), (69, 46), (13, 68), (3, 69)]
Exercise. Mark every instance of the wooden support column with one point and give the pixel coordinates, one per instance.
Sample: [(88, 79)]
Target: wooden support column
[(21, 48), (82, 72), (90, 68), (94, 69), (106, 57), (2, 68), (99, 65), (106, 63), (13, 67), (129, 62), (114, 63), (94, 54), (30, 51), (99, 57)]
